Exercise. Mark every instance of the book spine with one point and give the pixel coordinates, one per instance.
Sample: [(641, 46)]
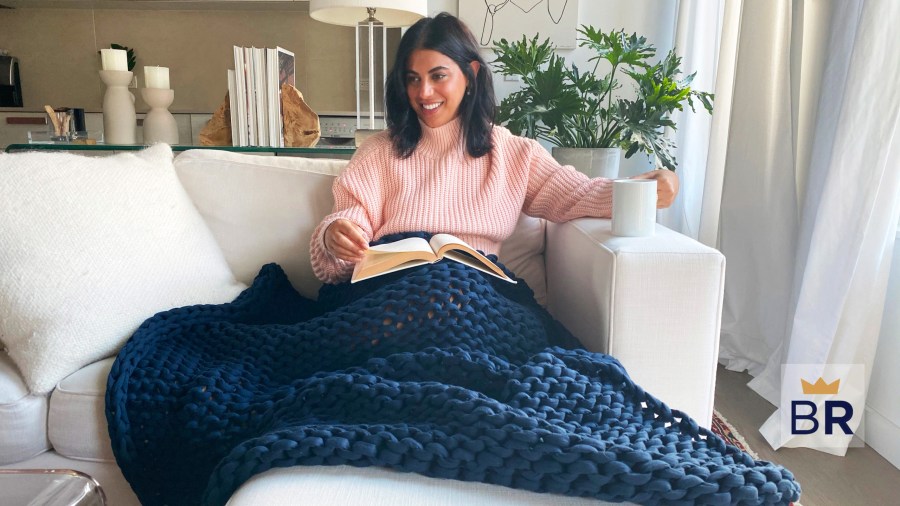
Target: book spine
[(273, 111), (249, 79), (240, 81), (259, 82), (232, 106)]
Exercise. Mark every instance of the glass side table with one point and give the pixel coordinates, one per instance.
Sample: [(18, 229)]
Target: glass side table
[(49, 487)]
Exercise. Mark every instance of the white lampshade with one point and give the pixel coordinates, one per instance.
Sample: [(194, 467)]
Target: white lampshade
[(370, 18), (393, 13)]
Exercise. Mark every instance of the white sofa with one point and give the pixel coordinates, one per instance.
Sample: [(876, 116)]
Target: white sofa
[(654, 303)]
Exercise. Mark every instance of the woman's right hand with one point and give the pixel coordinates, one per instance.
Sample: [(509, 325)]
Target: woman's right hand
[(666, 186), (345, 240)]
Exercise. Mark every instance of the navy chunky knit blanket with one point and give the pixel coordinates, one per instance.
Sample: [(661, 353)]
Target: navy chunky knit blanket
[(438, 370)]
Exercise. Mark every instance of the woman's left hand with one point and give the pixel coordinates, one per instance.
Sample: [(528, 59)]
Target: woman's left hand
[(666, 186)]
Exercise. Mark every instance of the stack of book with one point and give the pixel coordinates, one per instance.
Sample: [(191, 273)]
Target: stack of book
[(254, 91)]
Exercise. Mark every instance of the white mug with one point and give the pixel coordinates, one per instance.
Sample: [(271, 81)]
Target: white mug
[(634, 207)]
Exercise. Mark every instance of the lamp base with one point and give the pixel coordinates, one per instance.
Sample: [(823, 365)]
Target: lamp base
[(362, 134)]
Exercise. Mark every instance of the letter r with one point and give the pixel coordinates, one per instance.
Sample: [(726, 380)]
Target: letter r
[(830, 419)]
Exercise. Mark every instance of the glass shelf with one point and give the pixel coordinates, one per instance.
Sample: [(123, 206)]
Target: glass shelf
[(61, 146)]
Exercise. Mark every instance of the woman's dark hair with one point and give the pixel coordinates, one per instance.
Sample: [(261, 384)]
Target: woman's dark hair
[(447, 35)]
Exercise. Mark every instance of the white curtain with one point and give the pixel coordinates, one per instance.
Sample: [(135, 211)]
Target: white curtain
[(758, 217), (802, 185), (697, 31)]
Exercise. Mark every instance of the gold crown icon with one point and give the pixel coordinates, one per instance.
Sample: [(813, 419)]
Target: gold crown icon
[(820, 387)]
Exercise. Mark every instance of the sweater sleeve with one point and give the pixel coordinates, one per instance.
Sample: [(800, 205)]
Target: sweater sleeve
[(356, 198), (560, 193)]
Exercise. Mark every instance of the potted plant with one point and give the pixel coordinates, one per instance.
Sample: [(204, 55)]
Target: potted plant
[(571, 109)]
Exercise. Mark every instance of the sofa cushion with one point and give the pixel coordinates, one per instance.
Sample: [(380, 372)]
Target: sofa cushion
[(523, 253), (76, 424), (90, 248), (375, 486), (264, 209), (261, 209), (23, 416)]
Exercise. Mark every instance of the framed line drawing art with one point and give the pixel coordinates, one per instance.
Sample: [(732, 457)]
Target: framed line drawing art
[(492, 20)]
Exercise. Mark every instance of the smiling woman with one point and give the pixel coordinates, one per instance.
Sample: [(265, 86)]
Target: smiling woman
[(436, 86), (438, 65), (429, 173)]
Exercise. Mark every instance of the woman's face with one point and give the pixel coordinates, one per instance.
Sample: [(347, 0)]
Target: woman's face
[(435, 86)]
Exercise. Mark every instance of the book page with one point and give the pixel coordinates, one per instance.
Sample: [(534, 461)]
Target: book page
[(485, 266), (444, 244), (440, 241), (408, 244), (359, 275), (393, 256)]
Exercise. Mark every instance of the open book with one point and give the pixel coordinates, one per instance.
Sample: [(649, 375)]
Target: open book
[(415, 251)]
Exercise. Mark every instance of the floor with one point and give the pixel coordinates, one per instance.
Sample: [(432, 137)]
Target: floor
[(862, 477)]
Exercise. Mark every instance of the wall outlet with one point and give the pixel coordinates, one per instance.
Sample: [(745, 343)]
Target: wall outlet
[(514, 79), (364, 85)]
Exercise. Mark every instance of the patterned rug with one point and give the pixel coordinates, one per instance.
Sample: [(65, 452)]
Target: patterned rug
[(726, 431), (723, 428)]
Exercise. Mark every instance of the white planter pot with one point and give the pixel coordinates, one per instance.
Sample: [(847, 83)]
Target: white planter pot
[(595, 162)]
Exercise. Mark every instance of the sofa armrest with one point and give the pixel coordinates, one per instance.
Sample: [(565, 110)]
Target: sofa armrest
[(654, 303)]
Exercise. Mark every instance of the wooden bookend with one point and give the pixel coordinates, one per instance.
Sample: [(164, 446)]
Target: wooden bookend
[(301, 123), (217, 131)]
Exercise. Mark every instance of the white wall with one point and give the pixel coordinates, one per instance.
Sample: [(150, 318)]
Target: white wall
[(883, 403), (654, 19)]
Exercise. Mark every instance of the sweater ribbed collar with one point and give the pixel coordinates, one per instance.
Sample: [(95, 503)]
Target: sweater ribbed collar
[(443, 140)]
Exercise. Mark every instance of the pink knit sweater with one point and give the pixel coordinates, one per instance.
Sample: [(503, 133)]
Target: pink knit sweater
[(440, 188)]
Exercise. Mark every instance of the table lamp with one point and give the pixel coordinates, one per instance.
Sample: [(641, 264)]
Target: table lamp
[(370, 18)]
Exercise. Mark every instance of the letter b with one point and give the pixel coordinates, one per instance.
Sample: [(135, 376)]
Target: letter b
[(811, 416)]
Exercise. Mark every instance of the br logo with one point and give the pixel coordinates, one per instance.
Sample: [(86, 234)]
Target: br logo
[(837, 412)]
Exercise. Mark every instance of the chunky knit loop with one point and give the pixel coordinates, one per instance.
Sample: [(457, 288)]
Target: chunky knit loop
[(436, 370)]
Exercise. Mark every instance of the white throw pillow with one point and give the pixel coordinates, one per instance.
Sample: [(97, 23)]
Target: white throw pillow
[(261, 209), (90, 247)]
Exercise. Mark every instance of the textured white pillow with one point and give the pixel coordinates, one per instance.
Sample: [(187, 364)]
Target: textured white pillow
[(90, 247), (261, 209)]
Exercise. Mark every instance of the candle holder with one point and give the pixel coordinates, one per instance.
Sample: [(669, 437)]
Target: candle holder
[(119, 118), (159, 124)]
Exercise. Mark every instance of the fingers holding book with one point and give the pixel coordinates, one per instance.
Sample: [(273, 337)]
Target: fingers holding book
[(345, 240)]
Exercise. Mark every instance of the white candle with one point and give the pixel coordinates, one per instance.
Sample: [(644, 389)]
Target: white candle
[(114, 59), (156, 77)]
